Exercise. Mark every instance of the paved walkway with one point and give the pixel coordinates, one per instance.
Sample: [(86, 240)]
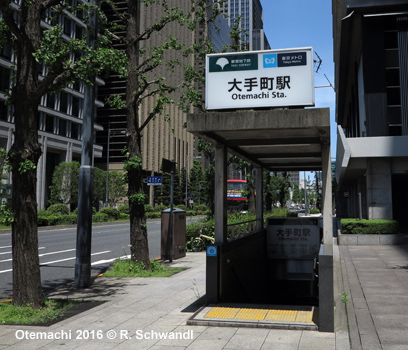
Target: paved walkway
[(139, 311)]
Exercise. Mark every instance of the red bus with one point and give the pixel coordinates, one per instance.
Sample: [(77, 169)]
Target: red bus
[(235, 199)]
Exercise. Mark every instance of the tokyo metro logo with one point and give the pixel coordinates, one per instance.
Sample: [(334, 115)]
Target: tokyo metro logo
[(270, 60)]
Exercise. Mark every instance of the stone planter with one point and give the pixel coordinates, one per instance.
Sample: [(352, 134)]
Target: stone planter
[(383, 239)]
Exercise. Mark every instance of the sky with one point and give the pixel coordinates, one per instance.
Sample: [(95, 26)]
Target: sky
[(300, 23)]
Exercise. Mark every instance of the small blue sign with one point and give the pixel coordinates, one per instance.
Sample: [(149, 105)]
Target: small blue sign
[(270, 61), (154, 180), (211, 250)]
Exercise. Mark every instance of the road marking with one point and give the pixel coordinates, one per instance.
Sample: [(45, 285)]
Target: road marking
[(10, 252), (108, 261), (57, 261), (6, 271), (6, 246)]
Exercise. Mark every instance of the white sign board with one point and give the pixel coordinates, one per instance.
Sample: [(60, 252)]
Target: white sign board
[(273, 78), (293, 238)]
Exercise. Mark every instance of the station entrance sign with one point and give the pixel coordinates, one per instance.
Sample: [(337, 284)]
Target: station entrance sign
[(273, 78)]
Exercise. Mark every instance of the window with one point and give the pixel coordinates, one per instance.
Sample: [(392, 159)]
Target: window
[(6, 52), (3, 111), (74, 131), (64, 102), (50, 101), (62, 130), (67, 26), (4, 78), (49, 123)]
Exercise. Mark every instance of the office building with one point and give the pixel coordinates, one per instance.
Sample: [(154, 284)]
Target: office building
[(251, 23), (371, 66), (60, 115)]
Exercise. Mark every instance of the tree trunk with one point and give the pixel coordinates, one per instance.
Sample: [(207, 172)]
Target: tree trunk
[(138, 229), (24, 156)]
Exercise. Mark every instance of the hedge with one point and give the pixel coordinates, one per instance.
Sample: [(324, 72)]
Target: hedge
[(356, 226), (53, 220), (58, 209), (113, 213), (153, 215)]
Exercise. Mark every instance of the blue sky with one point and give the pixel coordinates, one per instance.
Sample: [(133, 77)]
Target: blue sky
[(300, 23)]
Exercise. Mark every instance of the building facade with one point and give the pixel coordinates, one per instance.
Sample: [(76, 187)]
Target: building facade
[(371, 65), (60, 115), (251, 14)]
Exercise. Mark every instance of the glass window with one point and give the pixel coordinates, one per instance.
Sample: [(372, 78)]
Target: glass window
[(4, 78), (62, 127), (6, 52), (50, 101), (74, 131), (49, 123), (3, 111), (64, 102)]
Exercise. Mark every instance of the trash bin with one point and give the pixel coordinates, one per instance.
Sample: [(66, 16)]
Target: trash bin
[(178, 248)]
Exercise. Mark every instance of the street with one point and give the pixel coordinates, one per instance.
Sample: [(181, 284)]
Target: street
[(57, 253)]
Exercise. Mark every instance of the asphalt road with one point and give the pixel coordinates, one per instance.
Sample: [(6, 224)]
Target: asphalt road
[(57, 253)]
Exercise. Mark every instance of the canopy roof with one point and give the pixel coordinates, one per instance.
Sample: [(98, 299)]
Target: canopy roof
[(276, 140)]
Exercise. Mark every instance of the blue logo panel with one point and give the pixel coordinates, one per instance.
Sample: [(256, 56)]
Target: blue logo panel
[(211, 250), (270, 60)]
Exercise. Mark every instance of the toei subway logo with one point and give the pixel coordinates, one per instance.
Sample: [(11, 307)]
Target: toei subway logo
[(269, 61)]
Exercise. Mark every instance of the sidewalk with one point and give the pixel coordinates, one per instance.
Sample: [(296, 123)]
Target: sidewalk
[(139, 309)]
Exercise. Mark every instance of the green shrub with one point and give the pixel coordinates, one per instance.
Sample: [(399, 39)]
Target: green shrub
[(314, 211), (181, 206), (75, 211), (153, 215), (113, 213), (282, 212), (201, 207), (68, 219), (160, 208), (356, 226), (124, 216), (100, 217), (124, 209), (58, 209), (191, 212), (148, 208)]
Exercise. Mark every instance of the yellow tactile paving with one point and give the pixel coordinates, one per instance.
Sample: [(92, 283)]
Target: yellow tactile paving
[(304, 316), (261, 314), (281, 315), (222, 312), (251, 314)]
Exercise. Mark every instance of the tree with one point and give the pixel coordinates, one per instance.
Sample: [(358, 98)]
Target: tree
[(196, 176), (99, 187), (64, 188), (144, 81), (117, 187), (36, 46)]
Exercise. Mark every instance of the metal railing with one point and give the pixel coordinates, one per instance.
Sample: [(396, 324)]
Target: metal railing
[(241, 229)]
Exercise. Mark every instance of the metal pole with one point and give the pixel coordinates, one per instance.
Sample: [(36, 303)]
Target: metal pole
[(360, 206), (170, 231), (186, 180), (107, 171), (84, 226), (304, 174)]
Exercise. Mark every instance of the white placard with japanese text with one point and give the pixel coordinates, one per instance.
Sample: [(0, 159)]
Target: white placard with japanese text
[(293, 238), (274, 78)]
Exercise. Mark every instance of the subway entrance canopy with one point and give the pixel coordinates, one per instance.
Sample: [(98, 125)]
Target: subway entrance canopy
[(276, 140), (273, 140), (246, 268)]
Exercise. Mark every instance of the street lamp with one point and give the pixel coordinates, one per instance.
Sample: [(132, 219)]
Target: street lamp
[(110, 132), (187, 179)]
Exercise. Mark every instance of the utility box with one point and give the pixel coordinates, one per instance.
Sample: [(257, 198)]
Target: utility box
[(178, 246)]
